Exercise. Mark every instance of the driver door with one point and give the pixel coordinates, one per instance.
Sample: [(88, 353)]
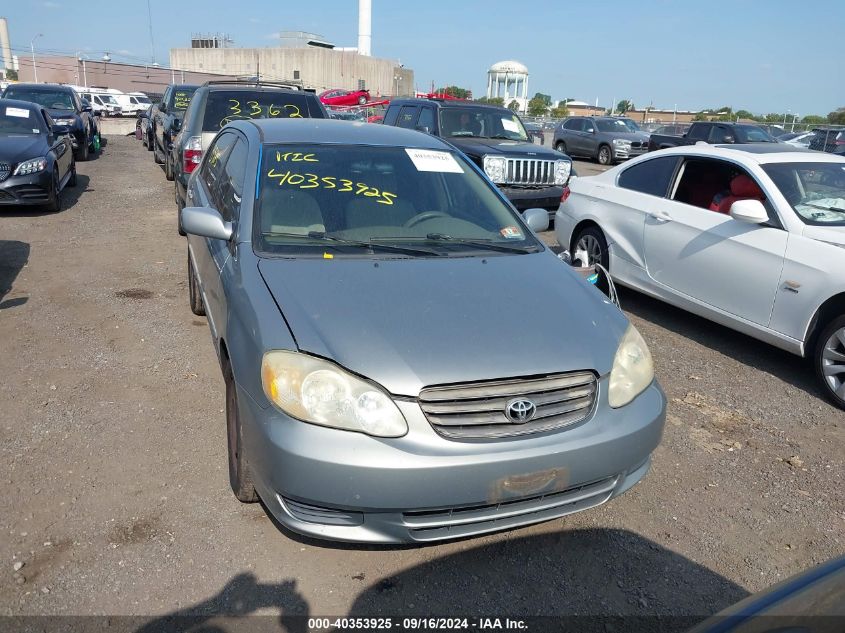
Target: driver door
[(707, 256)]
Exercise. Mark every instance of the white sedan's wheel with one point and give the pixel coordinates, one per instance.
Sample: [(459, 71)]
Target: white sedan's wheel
[(830, 360), (592, 241)]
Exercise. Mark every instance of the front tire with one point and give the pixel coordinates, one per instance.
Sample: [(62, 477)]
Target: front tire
[(194, 294), (168, 169), (55, 204), (829, 361), (240, 474), (84, 149), (71, 182), (605, 156), (592, 240), (561, 147), (362, 100)]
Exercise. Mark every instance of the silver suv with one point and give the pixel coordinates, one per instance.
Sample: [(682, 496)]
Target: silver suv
[(605, 139)]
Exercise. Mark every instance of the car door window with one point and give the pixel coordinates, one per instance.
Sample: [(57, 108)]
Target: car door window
[(720, 134), (426, 119), (652, 176), (407, 116), (573, 125), (588, 126), (698, 132), (391, 115), (230, 186), (212, 167)]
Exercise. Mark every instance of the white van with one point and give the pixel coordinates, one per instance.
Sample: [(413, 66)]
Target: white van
[(133, 102), (102, 102)]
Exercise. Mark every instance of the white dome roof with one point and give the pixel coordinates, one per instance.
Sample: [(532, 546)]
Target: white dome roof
[(509, 67)]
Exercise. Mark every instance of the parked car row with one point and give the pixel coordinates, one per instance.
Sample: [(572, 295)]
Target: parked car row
[(352, 409)]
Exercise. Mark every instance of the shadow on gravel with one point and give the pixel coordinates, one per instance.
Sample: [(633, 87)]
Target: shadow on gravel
[(13, 257), (747, 350), (70, 196), (600, 575)]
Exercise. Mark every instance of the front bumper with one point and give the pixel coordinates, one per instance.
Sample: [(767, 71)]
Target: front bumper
[(624, 152), (32, 189), (346, 486), (527, 197)]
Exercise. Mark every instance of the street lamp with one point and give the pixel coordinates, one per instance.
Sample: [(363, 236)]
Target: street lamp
[(82, 58), (32, 46)]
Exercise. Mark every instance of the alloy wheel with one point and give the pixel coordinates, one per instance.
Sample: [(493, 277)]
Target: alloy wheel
[(591, 245), (833, 363)]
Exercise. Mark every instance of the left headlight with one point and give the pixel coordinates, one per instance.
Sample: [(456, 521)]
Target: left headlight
[(494, 167), (621, 142), (317, 391), (633, 369), (32, 166), (562, 170)]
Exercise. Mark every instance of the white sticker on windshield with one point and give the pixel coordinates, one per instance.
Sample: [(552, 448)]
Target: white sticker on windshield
[(18, 112), (510, 125), (430, 160)]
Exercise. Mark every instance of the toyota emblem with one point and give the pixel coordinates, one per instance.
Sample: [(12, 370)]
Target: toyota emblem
[(520, 411)]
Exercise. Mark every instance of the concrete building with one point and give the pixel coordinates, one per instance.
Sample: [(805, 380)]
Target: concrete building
[(508, 80), (313, 66)]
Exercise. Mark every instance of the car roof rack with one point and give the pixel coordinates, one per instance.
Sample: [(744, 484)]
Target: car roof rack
[(251, 82)]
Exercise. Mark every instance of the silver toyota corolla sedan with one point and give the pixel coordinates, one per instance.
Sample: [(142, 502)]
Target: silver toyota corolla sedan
[(404, 360)]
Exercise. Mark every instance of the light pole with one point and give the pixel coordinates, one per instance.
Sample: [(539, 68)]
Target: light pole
[(32, 46), (82, 58)]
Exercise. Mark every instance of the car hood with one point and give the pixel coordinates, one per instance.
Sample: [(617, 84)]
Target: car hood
[(832, 234), (14, 149), (411, 323), (631, 136), (481, 146), (63, 114)]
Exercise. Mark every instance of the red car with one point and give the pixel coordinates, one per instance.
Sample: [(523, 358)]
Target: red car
[(345, 97)]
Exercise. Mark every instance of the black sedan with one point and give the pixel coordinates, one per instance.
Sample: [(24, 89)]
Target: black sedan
[(36, 156)]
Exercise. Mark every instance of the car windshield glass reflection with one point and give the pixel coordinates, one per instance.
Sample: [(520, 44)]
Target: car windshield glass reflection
[(16, 121), (481, 122), (616, 126), (632, 127), (349, 200), (815, 190), (52, 99)]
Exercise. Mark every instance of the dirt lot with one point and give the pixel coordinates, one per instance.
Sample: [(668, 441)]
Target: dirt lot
[(114, 486)]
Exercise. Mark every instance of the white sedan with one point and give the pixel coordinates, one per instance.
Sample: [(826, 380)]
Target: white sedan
[(749, 236)]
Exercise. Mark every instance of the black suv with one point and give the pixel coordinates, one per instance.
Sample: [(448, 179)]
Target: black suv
[(166, 118), (217, 103), (494, 139), (66, 108)]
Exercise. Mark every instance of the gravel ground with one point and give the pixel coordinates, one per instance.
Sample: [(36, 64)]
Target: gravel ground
[(115, 494)]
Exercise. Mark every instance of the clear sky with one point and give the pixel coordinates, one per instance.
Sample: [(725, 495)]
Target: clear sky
[(759, 55)]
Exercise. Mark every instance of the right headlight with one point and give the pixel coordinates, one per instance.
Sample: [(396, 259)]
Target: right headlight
[(320, 392), (633, 369), (562, 171), (494, 167), (621, 142)]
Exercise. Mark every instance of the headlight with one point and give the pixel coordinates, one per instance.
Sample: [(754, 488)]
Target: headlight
[(633, 369), (562, 171), (494, 167), (320, 392), (68, 122), (32, 166), (621, 142)]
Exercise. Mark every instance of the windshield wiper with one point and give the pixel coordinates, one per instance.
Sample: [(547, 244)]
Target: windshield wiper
[(322, 237), (481, 243), (823, 208), (502, 137)]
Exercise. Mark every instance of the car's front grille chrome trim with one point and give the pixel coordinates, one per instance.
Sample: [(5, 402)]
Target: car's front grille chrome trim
[(479, 410), (530, 171)]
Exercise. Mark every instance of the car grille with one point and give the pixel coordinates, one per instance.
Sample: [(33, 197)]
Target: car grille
[(639, 144), (433, 525), (527, 171), (5, 170), (478, 410)]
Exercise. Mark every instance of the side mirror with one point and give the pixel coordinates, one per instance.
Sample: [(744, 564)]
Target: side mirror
[(176, 125), (205, 222), (729, 139), (749, 211), (591, 130), (86, 107), (60, 130), (424, 128), (536, 219)]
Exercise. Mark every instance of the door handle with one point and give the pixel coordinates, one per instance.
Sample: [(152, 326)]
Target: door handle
[(660, 216)]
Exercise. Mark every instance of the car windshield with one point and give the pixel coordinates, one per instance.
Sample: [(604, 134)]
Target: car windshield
[(815, 190), (16, 121), (225, 106), (617, 126), (632, 127), (52, 99), (144, 100), (180, 99), (336, 201), (109, 99), (753, 134), (481, 122)]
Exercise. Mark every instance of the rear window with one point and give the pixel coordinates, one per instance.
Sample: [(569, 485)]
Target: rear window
[(180, 98), (52, 99), (225, 106)]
